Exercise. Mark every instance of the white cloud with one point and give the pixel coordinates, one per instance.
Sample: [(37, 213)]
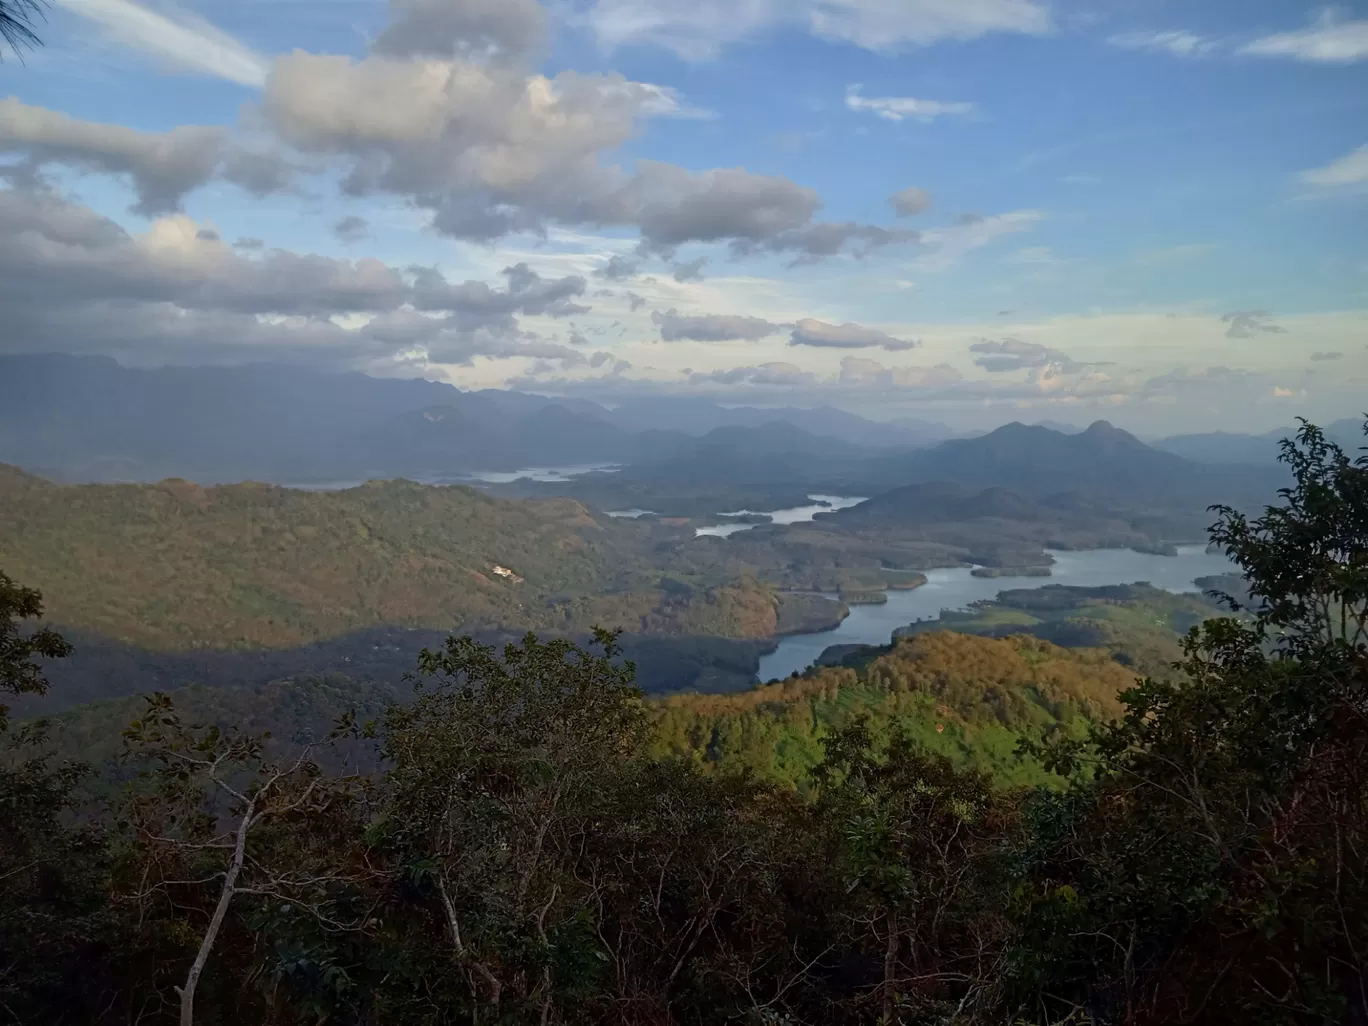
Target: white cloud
[(1251, 324), (161, 166), (910, 201), (176, 37), (1012, 354), (862, 372), (775, 373), (74, 281), (899, 108), (1349, 170), (810, 332), (896, 24), (660, 101), (696, 30), (675, 327), (1327, 41), (699, 29), (1177, 43), (948, 246)]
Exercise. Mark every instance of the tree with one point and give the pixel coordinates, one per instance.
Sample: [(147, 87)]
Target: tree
[(1306, 562), (16, 22), (219, 821), (20, 671), (53, 912), (496, 775), (916, 841), (1211, 869)]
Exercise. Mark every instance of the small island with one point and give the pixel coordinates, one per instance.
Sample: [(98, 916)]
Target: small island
[(864, 597), (1156, 549), (904, 581), (1010, 571)]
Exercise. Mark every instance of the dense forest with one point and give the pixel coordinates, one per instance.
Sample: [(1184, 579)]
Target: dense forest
[(959, 830)]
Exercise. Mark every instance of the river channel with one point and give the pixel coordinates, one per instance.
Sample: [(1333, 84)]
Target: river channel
[(957, 588)]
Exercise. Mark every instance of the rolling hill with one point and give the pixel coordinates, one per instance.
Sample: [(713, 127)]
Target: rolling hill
[(175, 565)]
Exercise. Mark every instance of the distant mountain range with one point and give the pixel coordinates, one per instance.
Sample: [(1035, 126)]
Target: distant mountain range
[(1221, 447), (1098, 471), (86, 418), (1037, 460)]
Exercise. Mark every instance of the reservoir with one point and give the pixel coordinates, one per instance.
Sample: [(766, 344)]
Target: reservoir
[(794, 515), (956, 589)]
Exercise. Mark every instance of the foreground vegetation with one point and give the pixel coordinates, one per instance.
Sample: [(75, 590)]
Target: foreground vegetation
[(524, 850)]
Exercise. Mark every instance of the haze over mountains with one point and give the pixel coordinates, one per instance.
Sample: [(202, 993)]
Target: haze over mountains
[(78, 418), (1224, 447), (81, 418)]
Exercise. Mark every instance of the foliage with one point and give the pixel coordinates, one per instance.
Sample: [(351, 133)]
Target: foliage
[(16, 23), (1140, 625), (536, 845), (20, 673), (178, 566), (1213, 870), (965, 698)]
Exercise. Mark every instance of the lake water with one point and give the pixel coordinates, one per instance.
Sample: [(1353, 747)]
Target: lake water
[(539, 473), (474, 477), (793, 515), (957, 588)]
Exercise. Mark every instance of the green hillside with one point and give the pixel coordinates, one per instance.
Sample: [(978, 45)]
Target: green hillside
[(968, 698), (1138, 624), (983, 693), (174, 565)]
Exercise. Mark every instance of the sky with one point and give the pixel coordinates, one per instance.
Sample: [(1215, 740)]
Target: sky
[(967, 211)]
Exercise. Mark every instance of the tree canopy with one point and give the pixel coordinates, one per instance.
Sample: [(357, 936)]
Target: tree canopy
[(522, 849)]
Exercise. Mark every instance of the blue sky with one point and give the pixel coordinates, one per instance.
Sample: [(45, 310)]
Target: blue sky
[(1147, 211)]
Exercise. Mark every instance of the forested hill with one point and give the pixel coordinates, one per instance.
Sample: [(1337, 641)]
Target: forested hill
[(968, 698), (174, 565)]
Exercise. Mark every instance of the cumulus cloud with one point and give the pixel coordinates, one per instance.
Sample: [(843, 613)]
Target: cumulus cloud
[(1013, 354), (899, 108), (1251, 324), (472, 29), (1348, 171), (444, 113), (635, 302), (73, 280), (475, 301), (1328, 40), (618, 268), (161, 166), (675, 327), (698, 30), (809, 332), (691, 270), (351, 229), (910, 201), (490, 150), (1321, 357), (676, 206), (1178, 43)]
